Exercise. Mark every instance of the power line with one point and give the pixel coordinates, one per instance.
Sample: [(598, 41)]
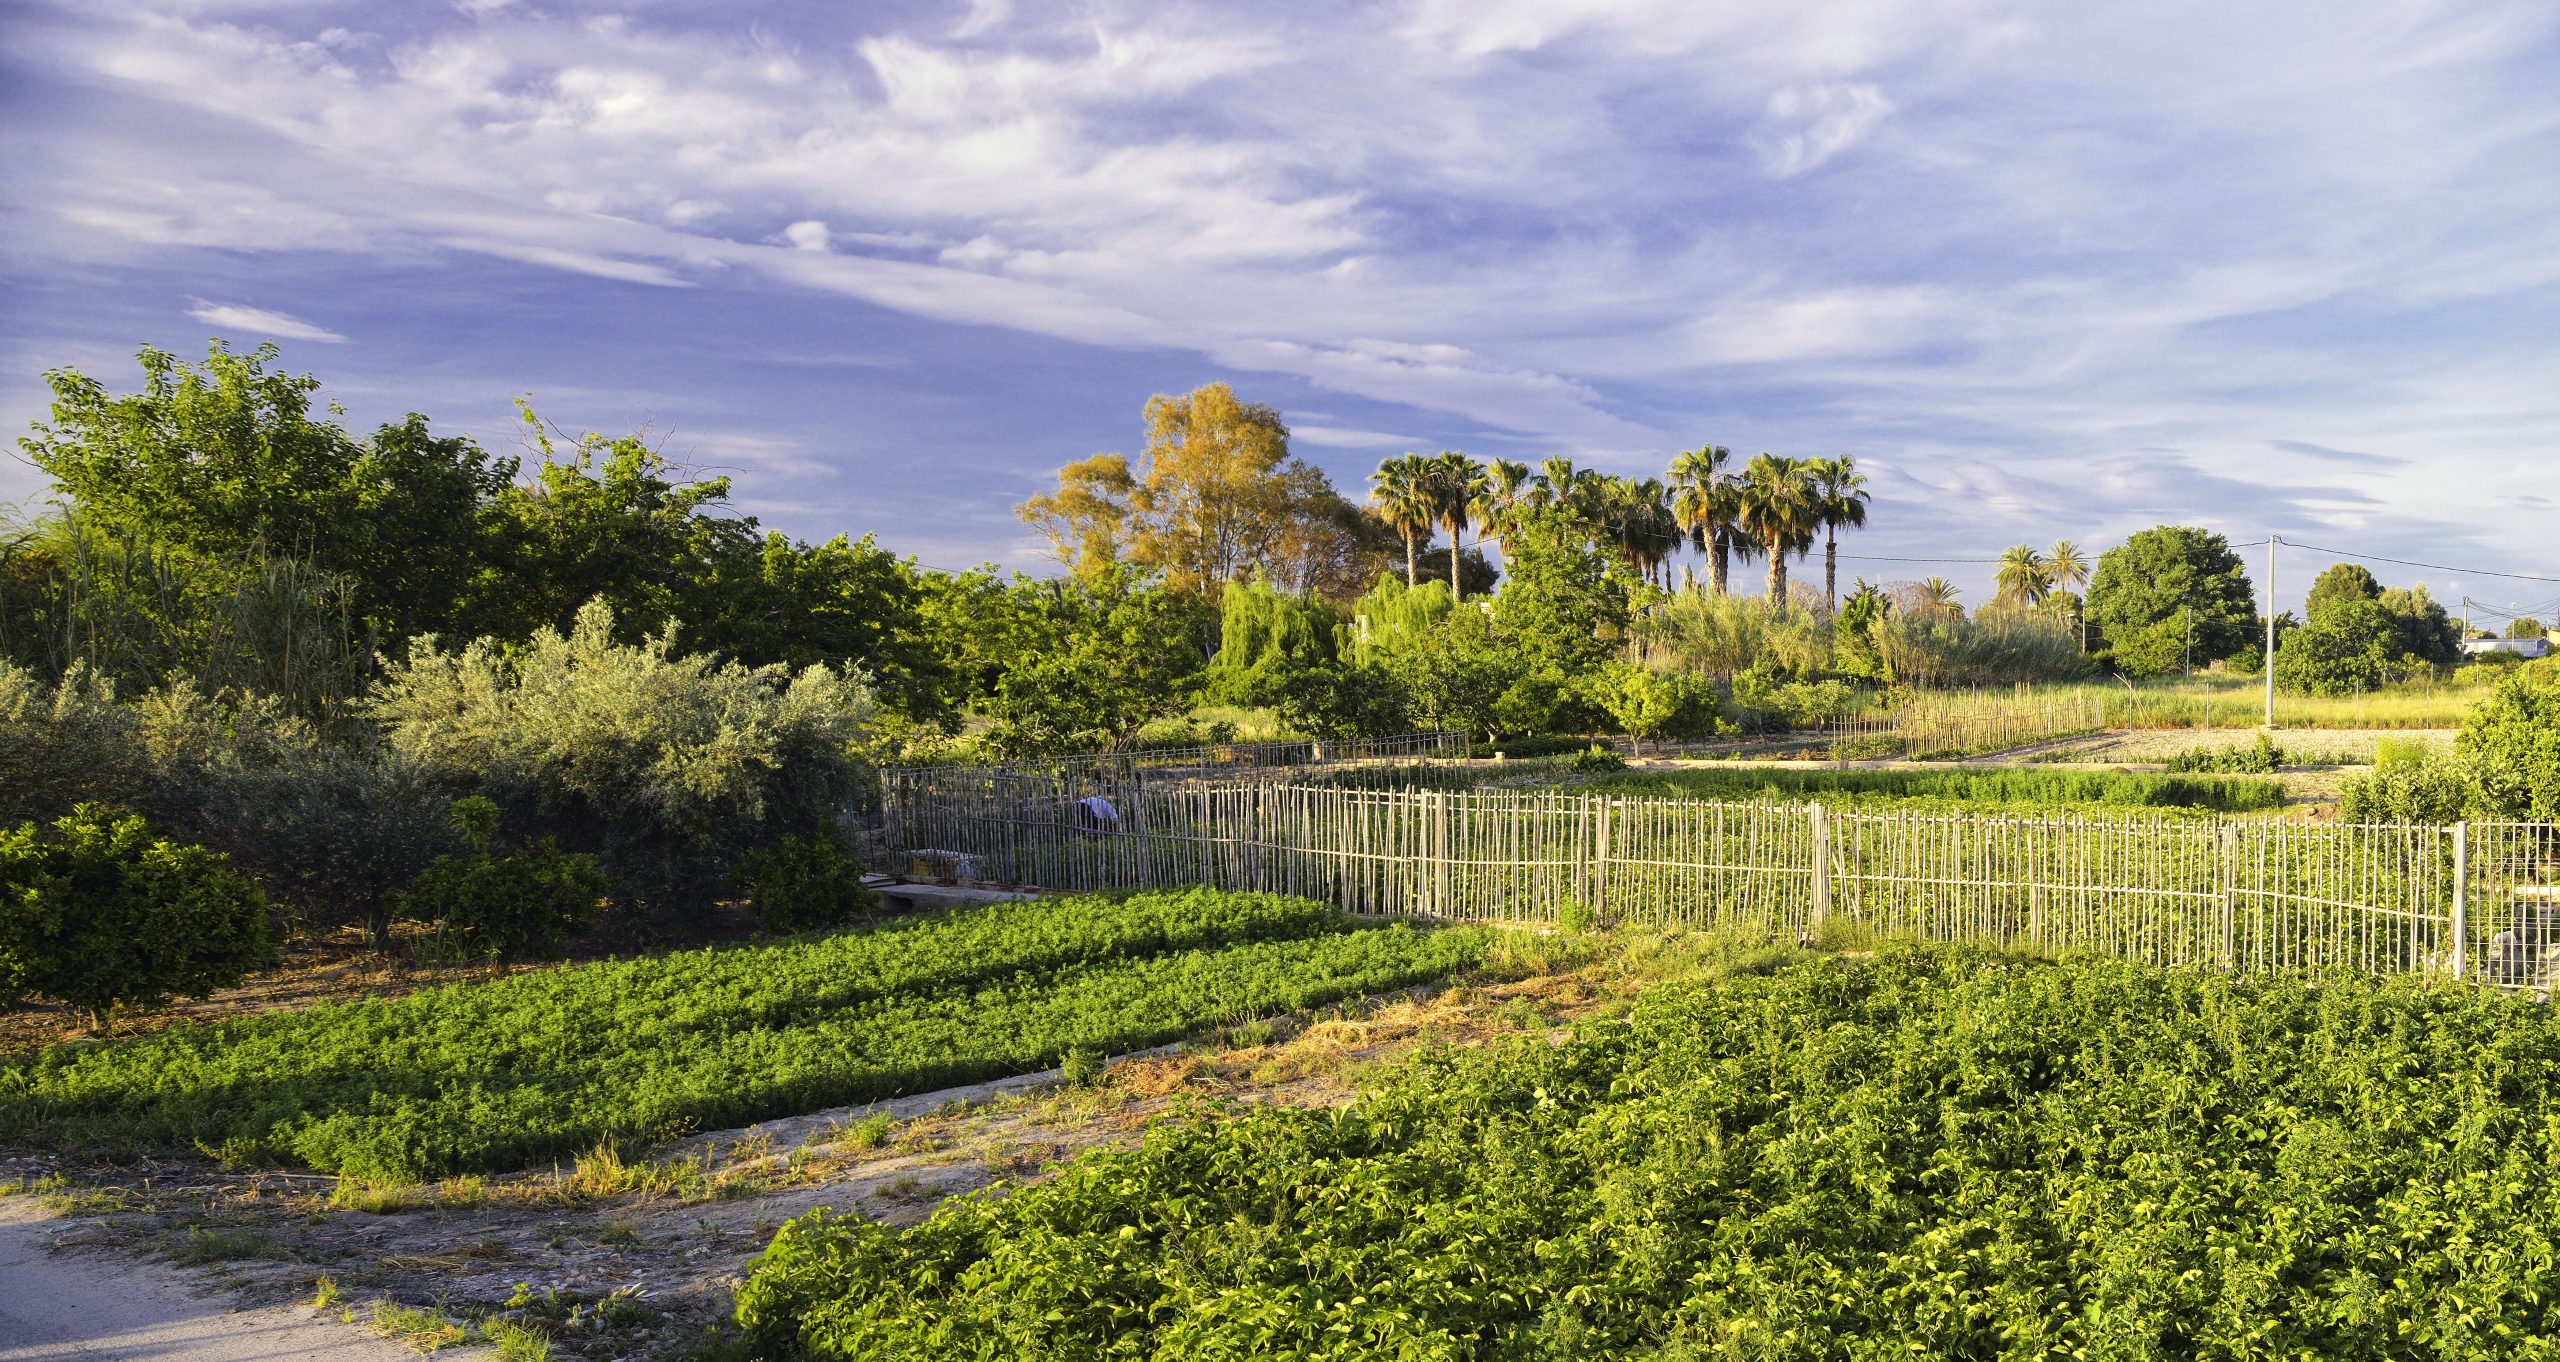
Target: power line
[(2411, 562)]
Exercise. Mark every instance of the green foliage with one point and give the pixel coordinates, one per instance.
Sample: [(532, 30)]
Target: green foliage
[(1563, 603), (2260, 758), (799, 884), (2166, 586), (97, 913), (1997, 648), (1086, 664), (1081, 1066), (1347, 700), (2344, 650), (2338, 584), (1965, 787), (1267, 644), (2410, 783), (1930, 1154), (527, 902), (494, 1075), (660, 765), (1645, 703), (1392, 620), (2512, 745), (1598, 759), (226, 463), (848, 604), (1461, 675), (2525, 626), (1853, 633)]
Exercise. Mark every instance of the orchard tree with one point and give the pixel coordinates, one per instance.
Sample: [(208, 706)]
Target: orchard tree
[(1086, 665), (2339, 583), (2169, 588), (1564, 602)]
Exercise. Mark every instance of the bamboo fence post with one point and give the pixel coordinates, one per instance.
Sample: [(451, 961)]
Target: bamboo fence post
[(2461, 896), (1821, 867)]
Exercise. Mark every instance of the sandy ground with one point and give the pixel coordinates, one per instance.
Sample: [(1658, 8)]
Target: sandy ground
[(56, 1306)]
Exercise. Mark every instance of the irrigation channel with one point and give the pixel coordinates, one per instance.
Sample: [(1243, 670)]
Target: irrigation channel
[(2474, 900)]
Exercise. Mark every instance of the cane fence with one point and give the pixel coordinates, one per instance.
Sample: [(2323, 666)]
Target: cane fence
[(2478, 899)]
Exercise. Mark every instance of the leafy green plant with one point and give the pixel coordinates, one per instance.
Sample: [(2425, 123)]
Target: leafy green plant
[(529, 901), (1932, 1153), (1598, 759), (800, 884), (98, 913), (2260, 758), (492, 1075)]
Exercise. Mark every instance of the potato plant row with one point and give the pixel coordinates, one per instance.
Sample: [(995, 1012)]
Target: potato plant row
[(492, 1076), (1932, 1154)]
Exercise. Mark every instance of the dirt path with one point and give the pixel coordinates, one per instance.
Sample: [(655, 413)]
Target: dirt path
[(57, 1306)]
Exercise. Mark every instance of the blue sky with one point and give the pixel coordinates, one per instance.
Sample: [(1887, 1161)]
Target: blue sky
[(2045, 270)]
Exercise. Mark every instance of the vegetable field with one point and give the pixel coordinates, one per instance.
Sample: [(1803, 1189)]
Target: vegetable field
[(1978, 789), (495, 1075), (1931, 1154)]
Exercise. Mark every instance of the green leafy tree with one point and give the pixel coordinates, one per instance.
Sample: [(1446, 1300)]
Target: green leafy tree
[(232, 463), (1347, 700), (2166, 588), (1563, 603), (98, 913), (1458, 680), (1642, 702), (1853, 644), (2420, 627), (1393, 618), (2344, 650), (2338, 584), (605, 519), (2512, 743), (1267, 642), (2525, 626), (843, 603), (1088, 664)]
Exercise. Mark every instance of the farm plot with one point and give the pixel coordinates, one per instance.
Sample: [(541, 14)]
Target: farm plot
[(1994, 789), (496, 1075), (1934, 1153)]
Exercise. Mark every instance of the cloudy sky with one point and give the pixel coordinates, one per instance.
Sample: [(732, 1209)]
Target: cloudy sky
[(2046, 270)]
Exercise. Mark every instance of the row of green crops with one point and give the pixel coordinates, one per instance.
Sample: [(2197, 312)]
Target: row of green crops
[(1999, 788), (1930, 1154), (491, 1076)]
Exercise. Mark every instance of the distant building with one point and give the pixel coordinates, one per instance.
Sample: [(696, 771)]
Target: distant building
[(2521, 647)]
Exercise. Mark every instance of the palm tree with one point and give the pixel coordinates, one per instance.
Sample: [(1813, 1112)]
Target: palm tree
[(1402, 493), (1454, 481), (1777, 510), (1703, 504), (1496, 510), (1840, 498), (2023, 576), (2069, 570), (1554, 481), (1936, 596)]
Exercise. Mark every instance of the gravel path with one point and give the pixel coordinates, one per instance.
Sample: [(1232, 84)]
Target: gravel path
[(77, 1307)]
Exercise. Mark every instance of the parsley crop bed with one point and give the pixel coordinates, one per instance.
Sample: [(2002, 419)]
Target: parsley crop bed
[(1930, 1154), (495, 1075)]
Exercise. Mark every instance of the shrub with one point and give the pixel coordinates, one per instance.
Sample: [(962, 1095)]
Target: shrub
[(802, 883), (98, 913), (527, 902), (1598, 758), (2261, 758), (658, 764), (2410, 783), (2512, 742)]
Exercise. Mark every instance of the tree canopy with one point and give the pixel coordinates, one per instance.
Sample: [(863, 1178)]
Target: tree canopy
[(2171, 593)]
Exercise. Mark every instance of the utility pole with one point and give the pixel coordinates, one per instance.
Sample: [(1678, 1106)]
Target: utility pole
[(2272, 541)]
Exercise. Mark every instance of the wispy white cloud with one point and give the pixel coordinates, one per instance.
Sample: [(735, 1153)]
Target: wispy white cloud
[(261, 322), (1973, 235)]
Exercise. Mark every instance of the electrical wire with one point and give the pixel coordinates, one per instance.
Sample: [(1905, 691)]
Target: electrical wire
[(2411, 562)]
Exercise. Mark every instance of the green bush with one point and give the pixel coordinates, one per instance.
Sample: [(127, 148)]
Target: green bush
[(2512, 742), (1598, 759), (802, 883), (2261, 758), (528, 902), (2409, 783), (659, 764), (97, 913)]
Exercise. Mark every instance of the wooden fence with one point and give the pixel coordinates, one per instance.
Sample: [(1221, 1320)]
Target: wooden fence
[(2251, 894)]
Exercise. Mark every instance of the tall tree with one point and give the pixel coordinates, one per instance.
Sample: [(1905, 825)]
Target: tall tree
[(1401, 492), (1778, 511), (2170, 590), (1087, 518), (1703, 504), (1455, 483), (2023, 576), (2339, 583), (2068, 568), (1497, 506), (1840, 498)]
